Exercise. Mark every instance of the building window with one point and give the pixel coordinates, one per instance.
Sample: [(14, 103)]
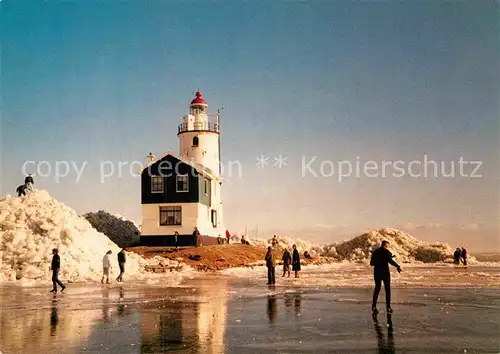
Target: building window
[(157, 184), (182, 184), (206, 184), (170, 215), (195, 141), (214, 218)]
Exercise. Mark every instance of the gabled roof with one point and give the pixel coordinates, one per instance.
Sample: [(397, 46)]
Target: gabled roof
[(205, 171)]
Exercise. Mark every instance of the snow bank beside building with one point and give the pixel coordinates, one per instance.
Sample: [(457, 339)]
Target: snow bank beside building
[(121, 231), (31, 226), (406, 248)]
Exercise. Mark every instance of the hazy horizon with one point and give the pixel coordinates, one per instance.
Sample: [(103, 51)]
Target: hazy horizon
[(367, 86)]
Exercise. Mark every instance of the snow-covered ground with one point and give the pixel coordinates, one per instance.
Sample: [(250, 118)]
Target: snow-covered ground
[(31, 226)]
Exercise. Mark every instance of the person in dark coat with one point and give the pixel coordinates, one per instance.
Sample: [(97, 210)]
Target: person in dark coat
[(456, 256), (271, 265), (464, 256), (295, 261), (29, 179), (55, 266), (197, 236), (380, 260), (176, 240), (121, 263), (287, 260), (21, 190)]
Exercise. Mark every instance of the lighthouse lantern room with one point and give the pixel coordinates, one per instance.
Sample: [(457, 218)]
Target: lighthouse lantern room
[(182, 192)]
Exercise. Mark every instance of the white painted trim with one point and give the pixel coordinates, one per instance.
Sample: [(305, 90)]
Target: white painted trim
[(177, 184), (163, 185)]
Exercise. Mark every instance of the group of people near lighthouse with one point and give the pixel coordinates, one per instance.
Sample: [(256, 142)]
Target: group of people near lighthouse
[(288, 260), (106, 268)]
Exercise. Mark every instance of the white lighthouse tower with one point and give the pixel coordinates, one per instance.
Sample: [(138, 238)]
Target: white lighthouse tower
[(188, 195), (199, 139)]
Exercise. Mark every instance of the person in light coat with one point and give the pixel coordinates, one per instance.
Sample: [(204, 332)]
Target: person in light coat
[(106, 266)]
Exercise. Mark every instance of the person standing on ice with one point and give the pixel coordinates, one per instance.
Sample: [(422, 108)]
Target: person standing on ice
[(464, 256), (106, 265), (287, 260), (295, 261), (121, 264), (271, 266), (55, 266), (380, 260), (228, 236)]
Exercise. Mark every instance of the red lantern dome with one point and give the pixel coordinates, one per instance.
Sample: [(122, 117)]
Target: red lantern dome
[(198, 99)]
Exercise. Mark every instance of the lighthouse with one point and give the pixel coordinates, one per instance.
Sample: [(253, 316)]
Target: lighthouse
[(181, 192)]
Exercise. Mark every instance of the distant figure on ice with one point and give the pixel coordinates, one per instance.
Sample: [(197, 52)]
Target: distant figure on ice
[(287, 260), (464, 256), (55, 266), (176, 240), (274, 241), (197, 236), (295, 261), (456, 256), (106, 264), (380, 260), (121, 264), (271, 265), (228, 236)]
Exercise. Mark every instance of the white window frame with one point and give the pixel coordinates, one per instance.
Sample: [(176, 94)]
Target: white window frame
[(171, 209), (162, 184), (177, 183)]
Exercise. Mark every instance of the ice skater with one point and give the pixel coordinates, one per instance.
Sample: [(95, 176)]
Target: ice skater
[(121, 264), (55, 266), (106, 265), (380, 260), (296, 261), (287, 260), (271, 266)]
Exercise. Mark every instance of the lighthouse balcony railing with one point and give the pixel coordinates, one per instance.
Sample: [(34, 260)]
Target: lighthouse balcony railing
[(198, 126)]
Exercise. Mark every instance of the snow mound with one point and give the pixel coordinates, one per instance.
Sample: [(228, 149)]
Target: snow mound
[(405, 247), (121, 231), (31, 226)]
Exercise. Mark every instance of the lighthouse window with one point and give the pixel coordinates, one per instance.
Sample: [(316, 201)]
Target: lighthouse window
[(170, 215), (195, 141), (214, 218), (157, 184), (182, 184), (206, 185)]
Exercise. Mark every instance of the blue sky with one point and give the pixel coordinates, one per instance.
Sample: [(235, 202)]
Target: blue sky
[(96, 81)]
